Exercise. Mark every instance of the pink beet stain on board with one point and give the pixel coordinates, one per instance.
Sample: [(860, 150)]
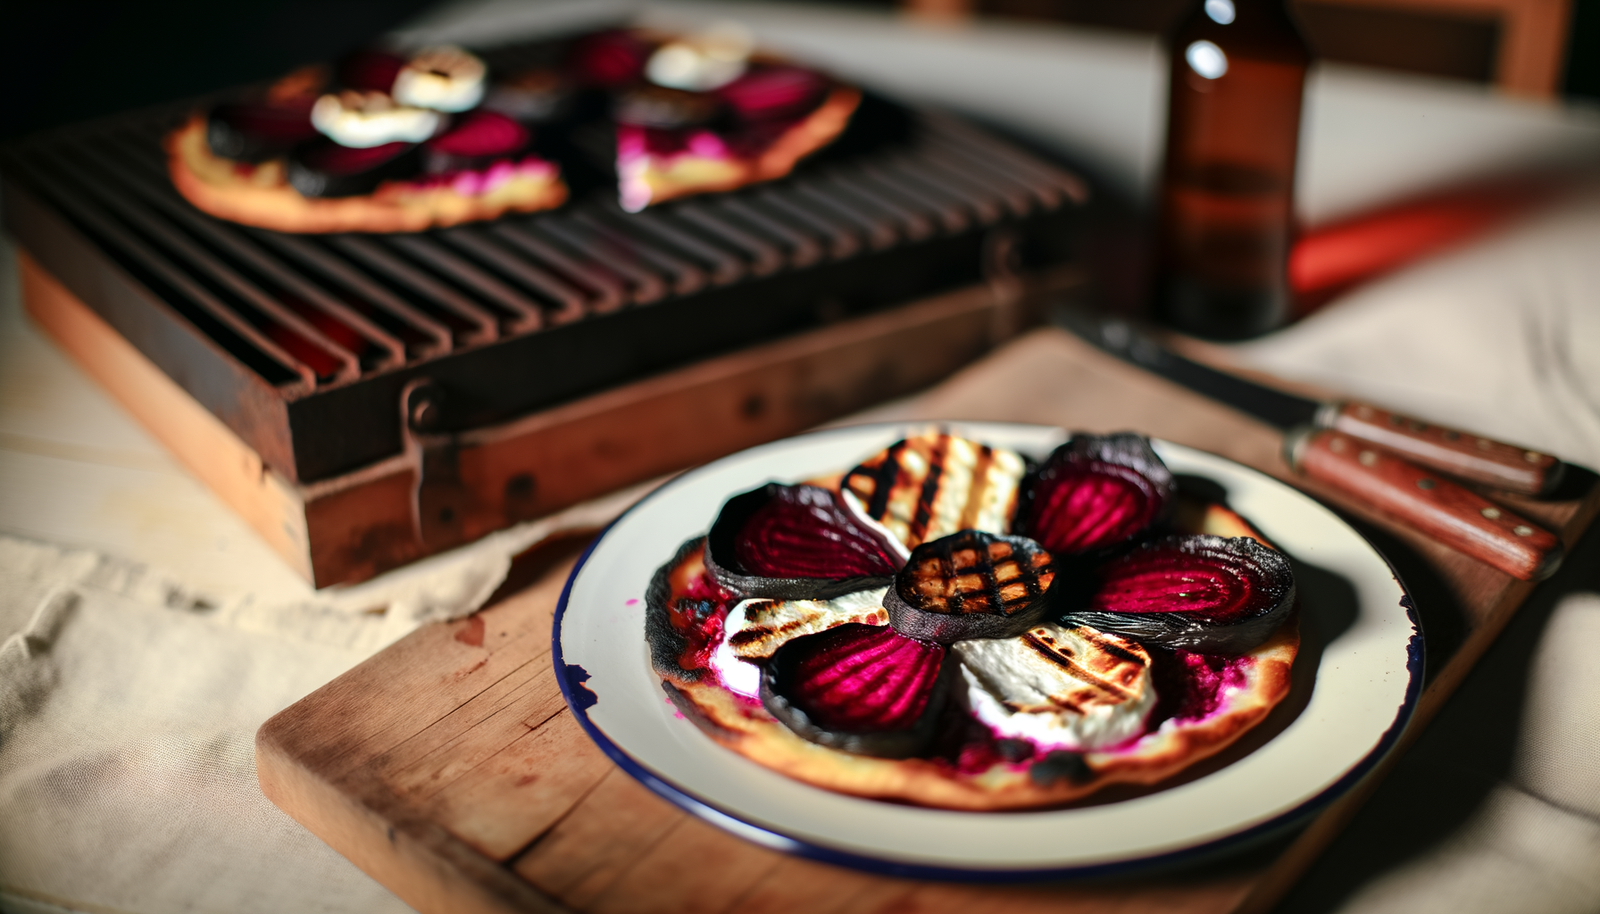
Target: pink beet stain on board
[(471, 634), (632, 602)]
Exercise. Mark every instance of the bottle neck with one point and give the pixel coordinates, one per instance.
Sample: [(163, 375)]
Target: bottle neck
[(1257, 28)]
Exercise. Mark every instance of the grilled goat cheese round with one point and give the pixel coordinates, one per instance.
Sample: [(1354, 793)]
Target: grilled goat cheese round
[(1072, 688), (444, 79), (362, 120)]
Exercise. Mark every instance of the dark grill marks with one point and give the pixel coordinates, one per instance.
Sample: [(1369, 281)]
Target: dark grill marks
[(1076, 670), (880, 478), (930, 489), (973, 572), (1108, 645), (971, 584)]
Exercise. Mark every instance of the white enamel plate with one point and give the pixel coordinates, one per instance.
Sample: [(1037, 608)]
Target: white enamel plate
[(1356, 683)]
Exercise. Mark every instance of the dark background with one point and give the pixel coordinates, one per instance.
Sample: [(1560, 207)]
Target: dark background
[(68, 60)]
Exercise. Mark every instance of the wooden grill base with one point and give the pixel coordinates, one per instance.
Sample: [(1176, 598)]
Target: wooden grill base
[(354, 526)]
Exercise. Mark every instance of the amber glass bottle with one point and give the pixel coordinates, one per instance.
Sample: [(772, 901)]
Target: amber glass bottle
[(1227, 192)]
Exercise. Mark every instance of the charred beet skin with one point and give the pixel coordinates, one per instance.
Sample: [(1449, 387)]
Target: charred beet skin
[(794, 543), (859, 688), (326, 169), (1094, 492), (257, 132), (970, 585), (1198, 593), (768, 91)]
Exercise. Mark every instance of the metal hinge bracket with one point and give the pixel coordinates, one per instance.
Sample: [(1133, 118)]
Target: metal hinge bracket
[(438, 500)]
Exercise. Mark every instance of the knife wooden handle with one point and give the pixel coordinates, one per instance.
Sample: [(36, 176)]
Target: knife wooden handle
[(1470, 457), (1457, 517)]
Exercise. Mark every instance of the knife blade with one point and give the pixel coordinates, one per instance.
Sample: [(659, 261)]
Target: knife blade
[(1462, 455), (1334, 444)]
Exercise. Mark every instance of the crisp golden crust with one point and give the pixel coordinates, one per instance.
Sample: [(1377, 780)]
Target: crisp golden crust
[(260, 195), (1249, 689), (665, 178)]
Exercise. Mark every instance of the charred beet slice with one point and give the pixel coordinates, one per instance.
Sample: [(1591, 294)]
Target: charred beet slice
[(1094, 492), (474, 141), (255, 132), (794, 543), (970, 585), (774, 92), (860, 688), (609, 58), (326, 169), (1198, 593)]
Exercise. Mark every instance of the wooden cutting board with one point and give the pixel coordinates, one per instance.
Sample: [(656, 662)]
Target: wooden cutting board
[(448, 767)]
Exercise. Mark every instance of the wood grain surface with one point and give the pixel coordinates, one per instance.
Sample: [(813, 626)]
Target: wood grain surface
[(448, 767), (1431, 503), (1462, 455)]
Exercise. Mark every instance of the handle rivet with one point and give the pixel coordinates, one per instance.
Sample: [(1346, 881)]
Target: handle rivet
[(1532, 456), (1451, 434), (1484, 444), (1337, 445), (1522, 530), (1365, 412), (1491, 513), (1424, 483), (1367, 458)]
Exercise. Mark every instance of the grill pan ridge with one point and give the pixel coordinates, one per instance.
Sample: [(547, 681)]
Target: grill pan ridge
[(517, 314), (312, 351)]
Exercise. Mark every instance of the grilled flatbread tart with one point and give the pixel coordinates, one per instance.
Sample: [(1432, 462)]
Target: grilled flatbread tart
[(391, 142), (905, 631)]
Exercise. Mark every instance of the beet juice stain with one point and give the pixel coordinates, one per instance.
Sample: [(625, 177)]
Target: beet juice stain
[(1227, 195)]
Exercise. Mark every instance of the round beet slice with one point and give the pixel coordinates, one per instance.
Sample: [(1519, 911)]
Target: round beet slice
[(255, 132), (773, 91), (474, 141), (481, 133), (971, 585), (861, 688), (1094, 492), (1199, 593), (609, 58), (326, 169), (795, 543)]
